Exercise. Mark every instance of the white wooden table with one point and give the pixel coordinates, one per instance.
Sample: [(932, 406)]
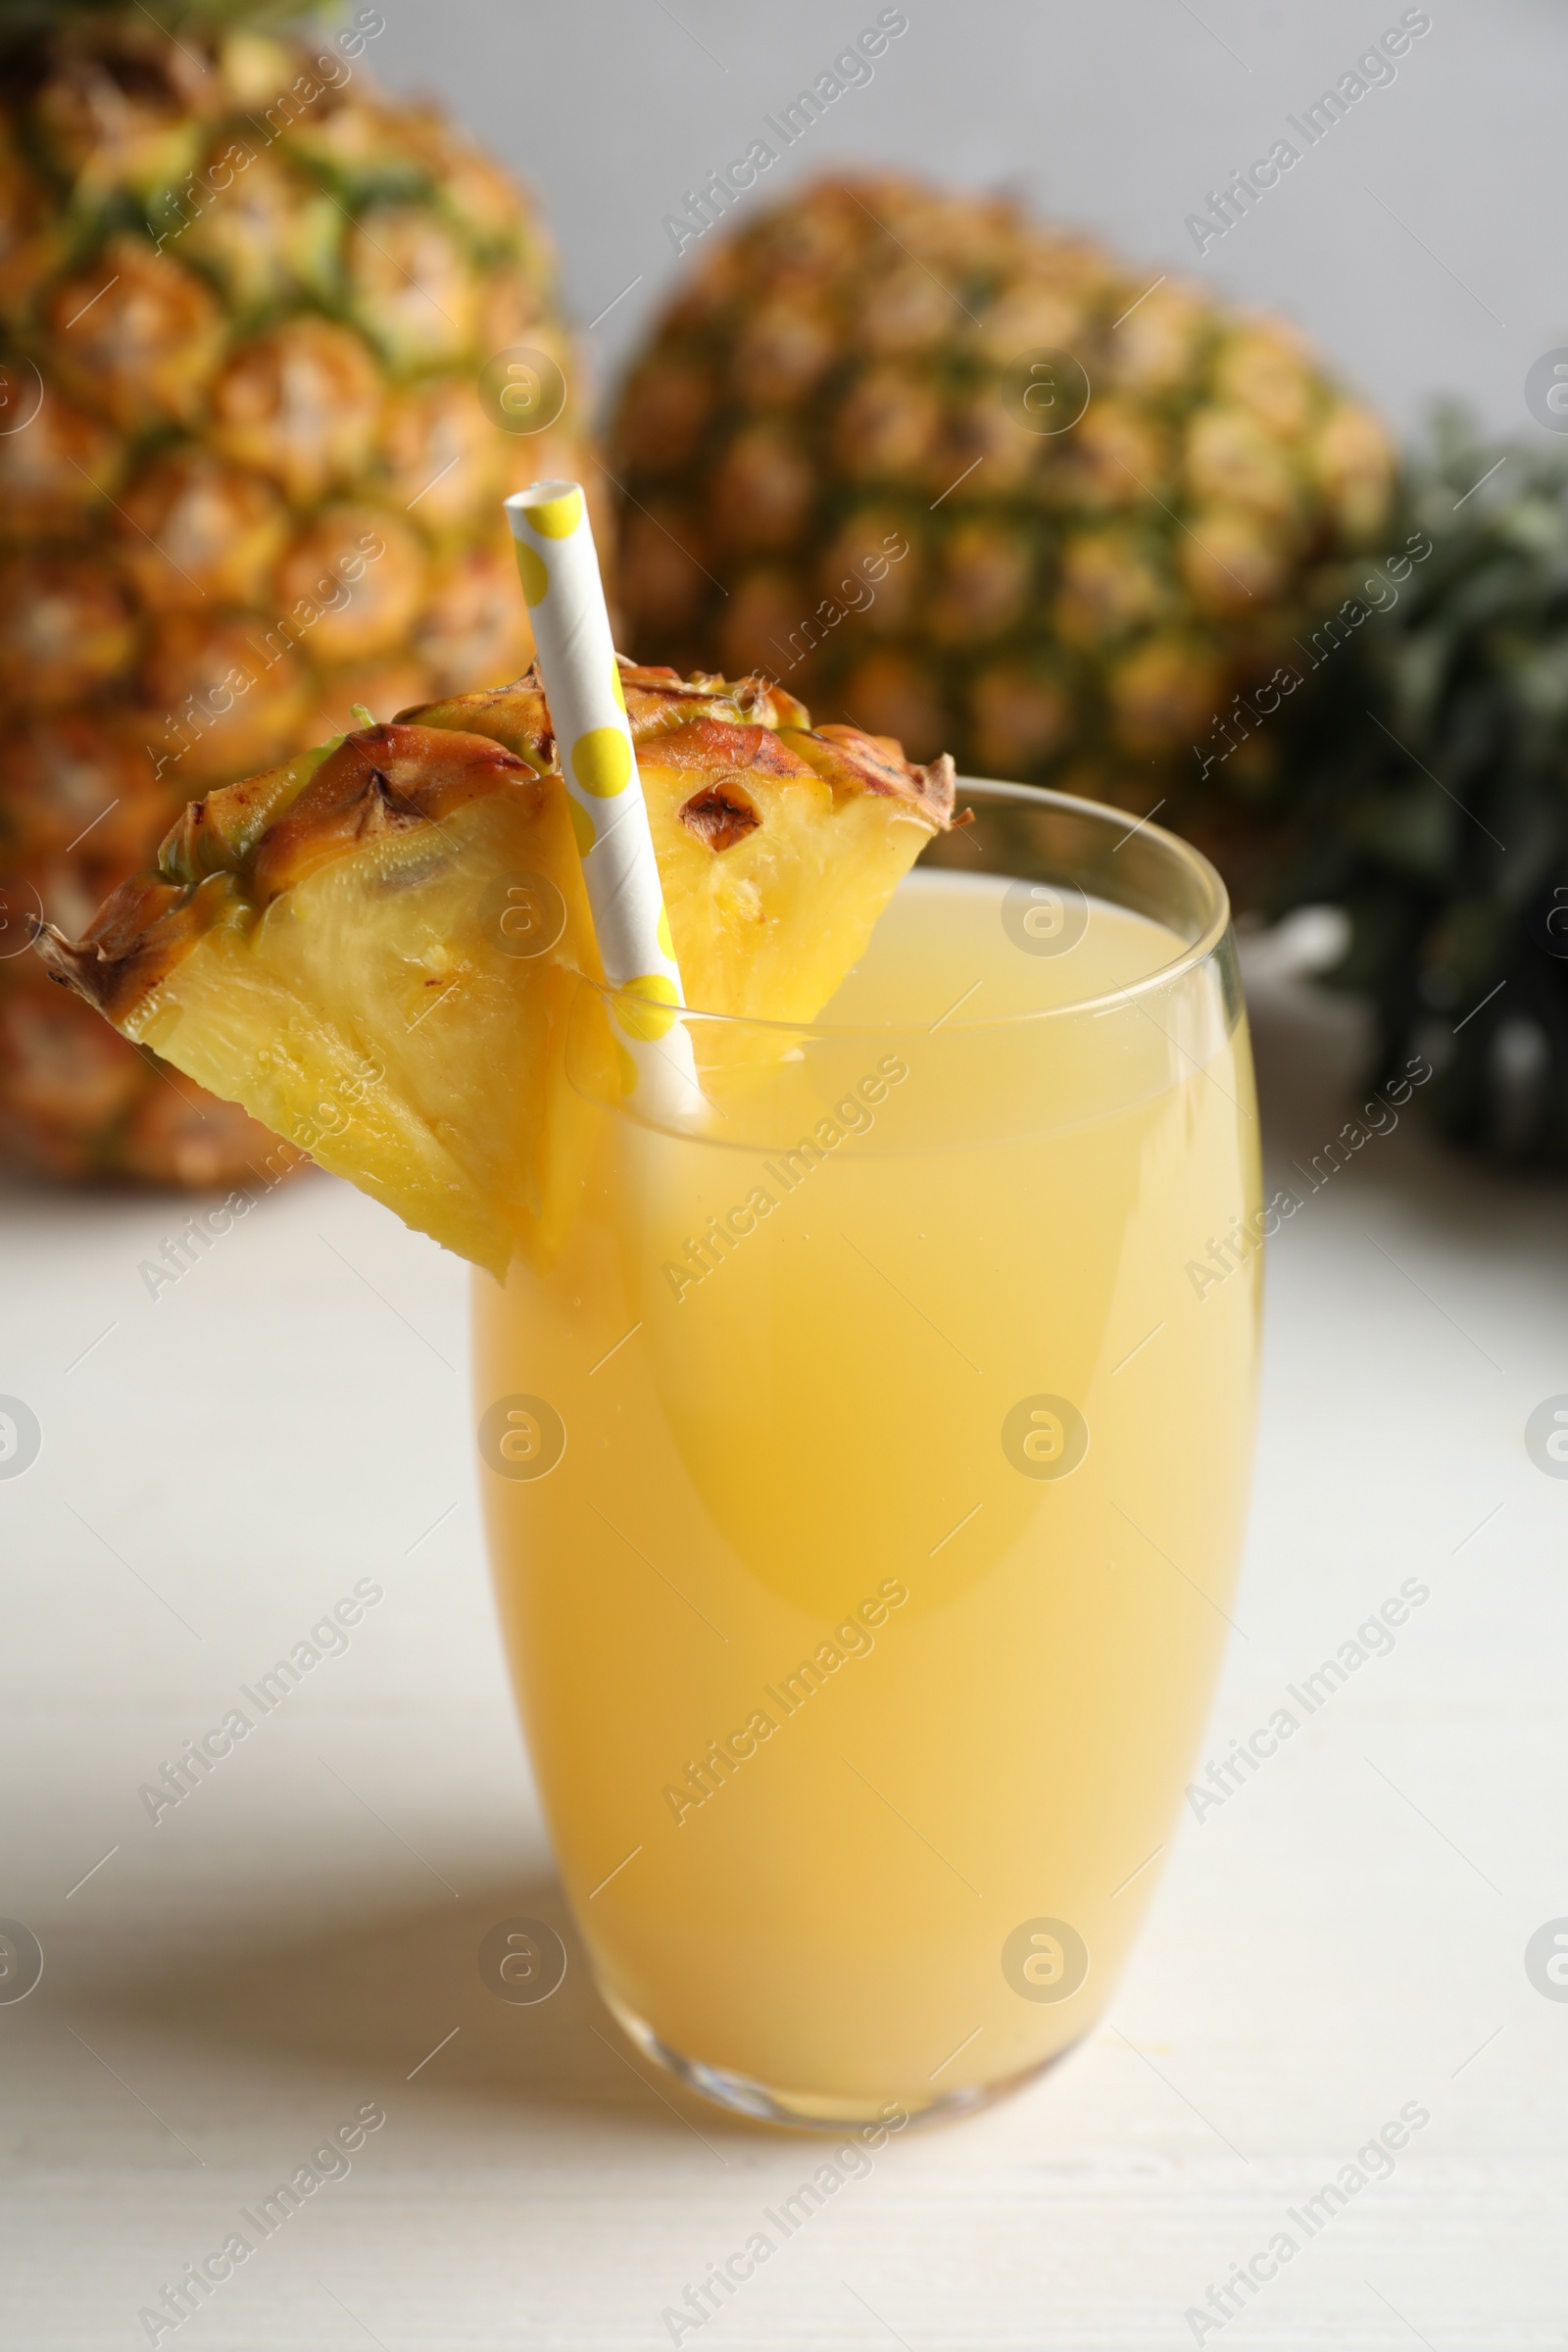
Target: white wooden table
[(1343, 1937)]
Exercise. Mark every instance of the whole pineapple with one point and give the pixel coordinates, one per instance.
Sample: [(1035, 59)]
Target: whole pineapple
[(969, 481), (248, 479)]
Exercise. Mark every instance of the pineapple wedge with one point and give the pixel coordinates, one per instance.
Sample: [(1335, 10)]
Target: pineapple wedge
[(778, 847), (343, 944)]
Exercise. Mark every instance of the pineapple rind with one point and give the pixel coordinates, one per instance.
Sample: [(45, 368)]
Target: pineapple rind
[(830, 463)]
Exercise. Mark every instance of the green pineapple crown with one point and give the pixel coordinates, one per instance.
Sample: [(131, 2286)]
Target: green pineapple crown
[(1427, 796), (19, 19)]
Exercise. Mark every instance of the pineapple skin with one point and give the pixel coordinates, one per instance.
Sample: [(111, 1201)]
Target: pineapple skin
[(261, 487), (829, 476)]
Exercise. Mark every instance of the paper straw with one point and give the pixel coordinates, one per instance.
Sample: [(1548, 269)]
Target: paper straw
[(560, 572)]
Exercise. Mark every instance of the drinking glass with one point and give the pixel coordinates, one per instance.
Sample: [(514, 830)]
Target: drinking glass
[(867, 1474)]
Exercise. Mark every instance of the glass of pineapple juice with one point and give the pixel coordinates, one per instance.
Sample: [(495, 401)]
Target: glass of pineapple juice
[(866, 1477)]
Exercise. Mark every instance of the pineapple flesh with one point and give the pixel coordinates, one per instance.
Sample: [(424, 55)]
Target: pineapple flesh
[(835, 468), (261, 487), (335, 944)]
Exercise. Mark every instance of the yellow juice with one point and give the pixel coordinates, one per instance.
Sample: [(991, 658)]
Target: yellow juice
[(866, 1490)]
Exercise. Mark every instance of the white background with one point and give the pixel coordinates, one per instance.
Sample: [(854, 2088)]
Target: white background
[(1120, 118)]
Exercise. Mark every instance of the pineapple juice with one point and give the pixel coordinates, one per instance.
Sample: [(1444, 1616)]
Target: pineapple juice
[(866, 1490)]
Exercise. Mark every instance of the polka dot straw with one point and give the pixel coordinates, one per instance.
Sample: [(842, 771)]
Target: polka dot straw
[(560, 572)]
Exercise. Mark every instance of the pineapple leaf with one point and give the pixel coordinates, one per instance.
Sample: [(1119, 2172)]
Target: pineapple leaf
[(22, 17), (1425, 791)]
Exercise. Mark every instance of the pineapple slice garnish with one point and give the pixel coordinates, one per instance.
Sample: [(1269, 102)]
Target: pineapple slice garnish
[(342, 943)]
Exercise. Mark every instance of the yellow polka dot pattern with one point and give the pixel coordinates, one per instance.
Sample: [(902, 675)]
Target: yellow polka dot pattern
[(582, 682), (534, 574), (558, 518), (601, 762), (640, 1005)]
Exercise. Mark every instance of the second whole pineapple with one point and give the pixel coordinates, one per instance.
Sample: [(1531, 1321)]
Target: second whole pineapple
[(979, 484), (245, 303)]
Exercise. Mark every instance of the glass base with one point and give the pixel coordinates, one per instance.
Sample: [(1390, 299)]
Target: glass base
[(802, 2111)]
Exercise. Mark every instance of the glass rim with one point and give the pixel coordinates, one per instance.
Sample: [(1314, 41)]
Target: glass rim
[(1035, 796)]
